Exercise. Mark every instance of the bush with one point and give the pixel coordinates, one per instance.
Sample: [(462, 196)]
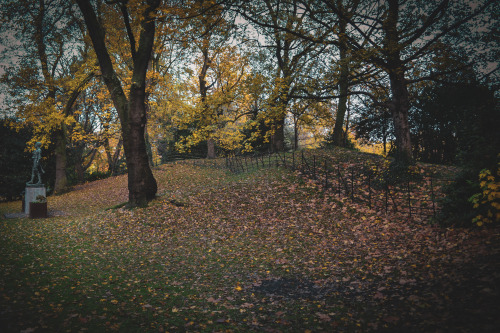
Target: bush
[(457, 210), (487, 202), (468, 198), (472, 199)]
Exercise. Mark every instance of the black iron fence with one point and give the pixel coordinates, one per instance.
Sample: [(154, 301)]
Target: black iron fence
[(370, 182), (416, 193)]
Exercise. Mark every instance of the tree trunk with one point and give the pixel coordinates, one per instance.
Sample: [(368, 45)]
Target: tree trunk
[(79, 169), (112, 158), (384, 141), (142, 185), (346, 133), (338, 130), (211, 148), (400, 103), (296, 134), (207, 117), (132, 113), (278, 136), (116, 157), (149, 148), (278, 124), (107, 150), (61, 181), (80, 165), (399, 110)]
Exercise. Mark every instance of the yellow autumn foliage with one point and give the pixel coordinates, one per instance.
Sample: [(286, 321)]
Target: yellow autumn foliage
[(488, 200)]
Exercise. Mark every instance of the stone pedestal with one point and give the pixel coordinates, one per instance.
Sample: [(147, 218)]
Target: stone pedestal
[(30, 194), (38, 210)]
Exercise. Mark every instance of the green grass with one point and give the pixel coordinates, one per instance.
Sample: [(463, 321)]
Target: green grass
[(259, 251)]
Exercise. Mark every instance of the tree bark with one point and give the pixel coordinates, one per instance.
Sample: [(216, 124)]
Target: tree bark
[(61, 181), (338, 130), (207, 117), (80, 165), (211, 148), (279, 114), (278, 137), (142, 185), (399, 110), (112, 159), (296, 134), (400, 102), (141, 182)]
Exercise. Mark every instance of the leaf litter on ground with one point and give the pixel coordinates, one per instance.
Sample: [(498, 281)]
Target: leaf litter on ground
[(261, 251)]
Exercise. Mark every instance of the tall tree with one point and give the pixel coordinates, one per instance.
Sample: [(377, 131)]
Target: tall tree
[(98, 125), (403, 35), (396, 37), (336, 67), (211, 29), (131, 109), (343, 78), (329, 26), (280, 23), (52, 71)]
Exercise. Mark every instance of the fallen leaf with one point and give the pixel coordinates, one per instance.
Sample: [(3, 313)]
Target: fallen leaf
[(323, 316)]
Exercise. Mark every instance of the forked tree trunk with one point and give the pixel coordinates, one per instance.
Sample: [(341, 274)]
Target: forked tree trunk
[(142, 185), (113, 159)]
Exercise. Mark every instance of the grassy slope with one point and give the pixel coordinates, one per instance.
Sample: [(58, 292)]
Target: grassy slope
[(260, 251)]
